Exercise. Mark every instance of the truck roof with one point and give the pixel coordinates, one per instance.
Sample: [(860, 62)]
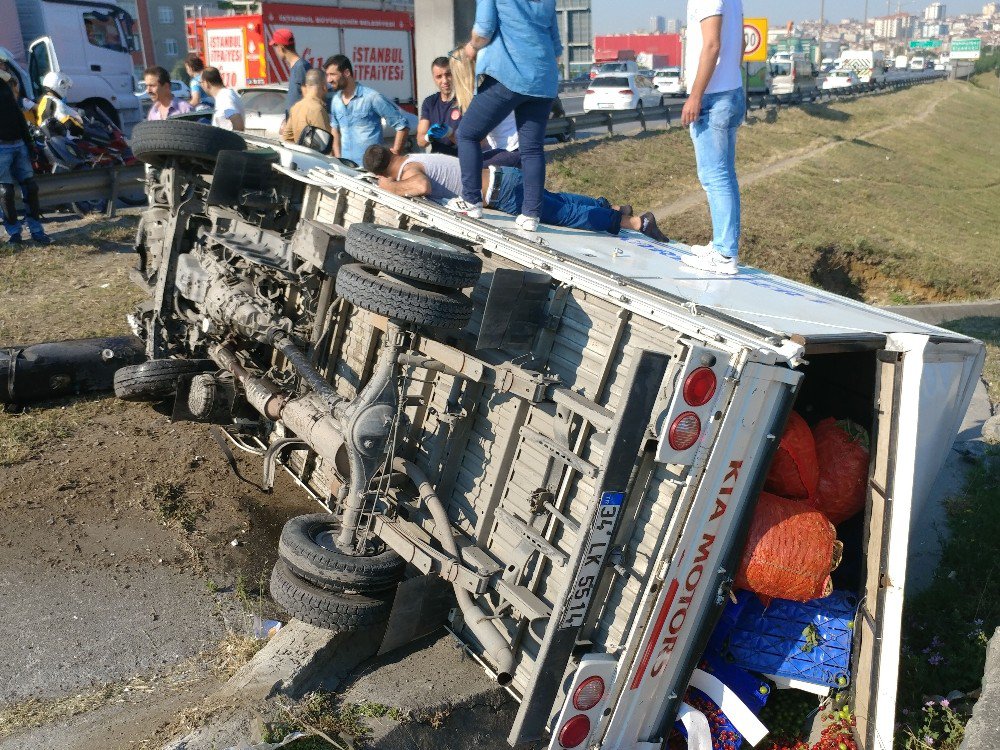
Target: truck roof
[(649, 278)]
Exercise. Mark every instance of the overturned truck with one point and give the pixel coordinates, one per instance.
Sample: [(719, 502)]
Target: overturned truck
[(553, 443)]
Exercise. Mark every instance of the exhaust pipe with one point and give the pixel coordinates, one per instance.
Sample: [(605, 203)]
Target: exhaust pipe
[(485, 630)]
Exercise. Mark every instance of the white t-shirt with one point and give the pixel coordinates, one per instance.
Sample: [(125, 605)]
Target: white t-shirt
[(227, 104), (504, 135), (728, 75)]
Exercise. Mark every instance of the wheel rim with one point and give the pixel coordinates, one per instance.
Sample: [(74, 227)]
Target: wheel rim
[(325, 536)]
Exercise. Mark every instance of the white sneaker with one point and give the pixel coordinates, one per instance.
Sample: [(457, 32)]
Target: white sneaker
[(714, 262), (702, 250), (461, 206), (527, 223)]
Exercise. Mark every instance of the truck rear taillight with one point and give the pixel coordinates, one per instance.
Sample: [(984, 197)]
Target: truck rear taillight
[(699, 386), (589, 693), (684, 431), (589, 91), (574, 732), (584, 707), (694, 393)]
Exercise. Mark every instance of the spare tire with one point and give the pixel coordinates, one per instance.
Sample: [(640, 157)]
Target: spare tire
[(157, 141), (308, 547), (363, 287), (156, 379), (411, 255), (326, 609)]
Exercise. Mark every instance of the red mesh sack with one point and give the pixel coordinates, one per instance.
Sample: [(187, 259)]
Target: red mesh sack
[(794, 471), (789, 553), (842, 450)]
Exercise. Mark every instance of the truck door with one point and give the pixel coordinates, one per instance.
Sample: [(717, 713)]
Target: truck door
[(41, 59), (923, 390)]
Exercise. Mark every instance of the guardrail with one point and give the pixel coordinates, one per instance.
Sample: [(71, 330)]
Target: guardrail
[(97, 184), (567, 127)]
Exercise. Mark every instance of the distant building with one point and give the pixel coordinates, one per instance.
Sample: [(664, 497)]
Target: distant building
[(935, 12), (991, 9), (898, 27), (933, 30), (577, 36), (657, 24)]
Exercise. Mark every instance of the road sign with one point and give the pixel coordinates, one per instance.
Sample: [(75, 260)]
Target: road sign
[(965, 49), (754, 39), (925, 43)]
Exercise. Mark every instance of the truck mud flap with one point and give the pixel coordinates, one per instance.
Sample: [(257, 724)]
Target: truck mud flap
[(626, 438), (59, 368)]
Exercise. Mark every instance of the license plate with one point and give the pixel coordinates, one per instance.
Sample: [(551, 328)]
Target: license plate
[(605, 105), (593, 560)]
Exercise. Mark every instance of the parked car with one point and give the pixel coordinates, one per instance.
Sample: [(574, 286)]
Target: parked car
[(838, 79), (265, 110), (629, 91), (178, 88), (670, 82)]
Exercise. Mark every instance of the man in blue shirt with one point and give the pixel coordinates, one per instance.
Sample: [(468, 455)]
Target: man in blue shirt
[(526, 86), (283, 42), (356, 113), (440, 113)]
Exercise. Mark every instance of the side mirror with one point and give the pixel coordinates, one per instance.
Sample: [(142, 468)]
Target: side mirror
[(316, 139)]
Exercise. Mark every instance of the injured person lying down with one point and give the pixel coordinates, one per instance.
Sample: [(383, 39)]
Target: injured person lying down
[(439, 177)]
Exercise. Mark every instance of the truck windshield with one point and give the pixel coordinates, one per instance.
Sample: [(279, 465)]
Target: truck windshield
[(110, 30), (781, 69)]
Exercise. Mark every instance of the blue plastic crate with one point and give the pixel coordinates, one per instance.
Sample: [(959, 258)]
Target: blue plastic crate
[(806, 641)]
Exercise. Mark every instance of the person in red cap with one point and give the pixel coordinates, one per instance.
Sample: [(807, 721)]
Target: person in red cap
[(283, 42)]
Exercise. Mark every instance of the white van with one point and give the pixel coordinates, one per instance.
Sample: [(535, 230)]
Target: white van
[(918, 64), (791, 73), (869, 66), (556, 441)]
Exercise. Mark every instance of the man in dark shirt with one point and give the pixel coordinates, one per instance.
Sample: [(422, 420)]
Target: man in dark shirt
[(439, 113), (15, 166), (283, 42)]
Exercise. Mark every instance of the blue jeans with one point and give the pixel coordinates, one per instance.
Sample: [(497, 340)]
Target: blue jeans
[(15, 166), (501, 157), (558, 209), (491, 104), (714, 137)]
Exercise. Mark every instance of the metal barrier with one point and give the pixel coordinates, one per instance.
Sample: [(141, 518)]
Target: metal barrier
[(563, 128), (100, 183)]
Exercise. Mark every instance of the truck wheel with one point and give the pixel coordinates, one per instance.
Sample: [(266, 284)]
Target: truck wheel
[(410, 255), (156, 380), (156, 142), (326, 609), (308, 547), (363, 287)]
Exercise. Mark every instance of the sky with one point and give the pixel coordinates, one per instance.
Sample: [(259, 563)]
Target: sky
[(615, 16)]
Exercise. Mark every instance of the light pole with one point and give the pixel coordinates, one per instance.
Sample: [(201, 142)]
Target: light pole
[(864, 29), (820, 34)]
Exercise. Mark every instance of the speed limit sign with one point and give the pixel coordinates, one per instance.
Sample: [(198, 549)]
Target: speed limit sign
[(754, 39)]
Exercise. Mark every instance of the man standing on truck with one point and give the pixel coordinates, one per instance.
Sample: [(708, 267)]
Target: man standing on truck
[(356, 113), (439, 177), (15, 166), (714, 110), (440, 113), (229, 113), (165, 104), (283, 42), (310, 110)]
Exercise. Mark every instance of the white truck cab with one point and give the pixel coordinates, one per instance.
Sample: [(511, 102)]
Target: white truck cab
[(92, 43)]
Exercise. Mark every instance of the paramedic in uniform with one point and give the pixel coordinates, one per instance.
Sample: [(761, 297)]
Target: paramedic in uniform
[(440, 113), (714, 110)]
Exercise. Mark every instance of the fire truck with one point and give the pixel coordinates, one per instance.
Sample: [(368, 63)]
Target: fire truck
[(379, 43)]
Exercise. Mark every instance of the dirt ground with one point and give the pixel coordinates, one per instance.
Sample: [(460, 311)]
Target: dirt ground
[(132, 560)]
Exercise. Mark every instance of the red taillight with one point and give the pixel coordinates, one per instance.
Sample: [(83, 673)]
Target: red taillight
[(684, 431), (699, 387), (626, 91), (590, 91), (588, 694), (574, 731)]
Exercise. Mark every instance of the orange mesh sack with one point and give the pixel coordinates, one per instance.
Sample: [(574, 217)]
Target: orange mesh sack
[(789, 552), (842, 449), (794, 472)]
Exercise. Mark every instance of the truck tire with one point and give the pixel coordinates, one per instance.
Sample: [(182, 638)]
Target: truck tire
[(156, 142), (363, 287), (326, 609), (156, 380), (410, 255), (307, 546)]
